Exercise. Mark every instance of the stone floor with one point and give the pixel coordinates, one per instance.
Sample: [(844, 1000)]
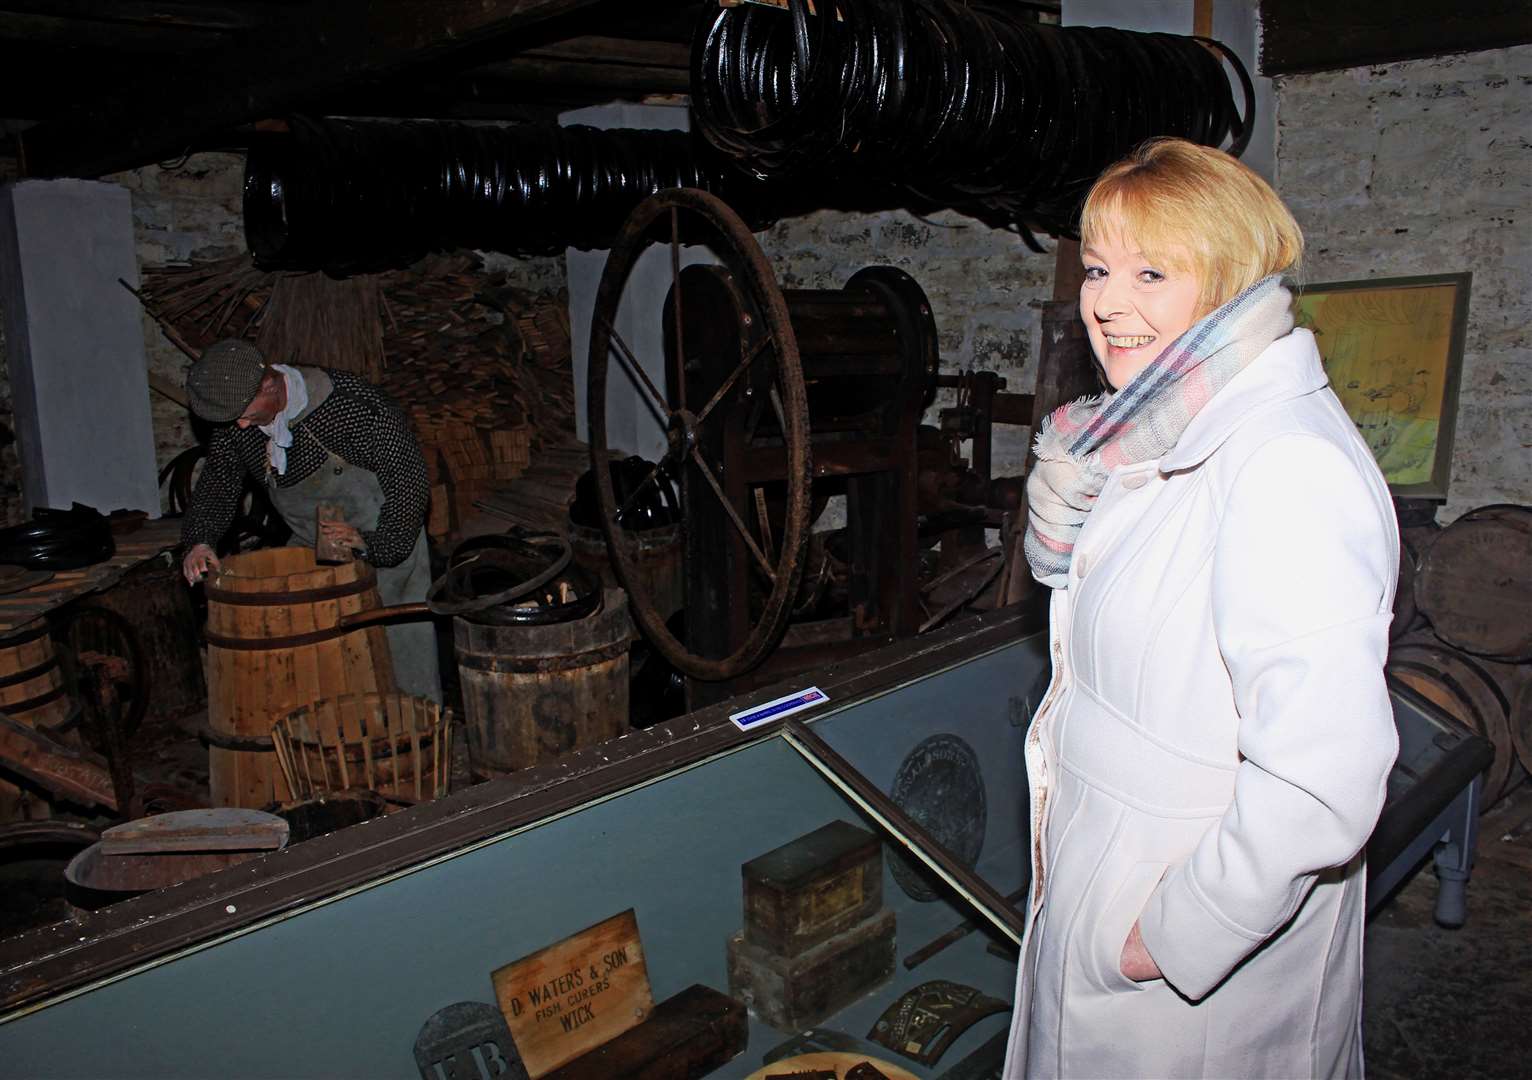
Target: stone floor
[(1457, 1003)]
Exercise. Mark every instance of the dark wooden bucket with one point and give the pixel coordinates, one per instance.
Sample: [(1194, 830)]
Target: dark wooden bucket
[(157, 604), (534, 693), (1475, 584), (655, 552)]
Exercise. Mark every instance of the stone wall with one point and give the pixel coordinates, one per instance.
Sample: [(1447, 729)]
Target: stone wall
[(1425, 167), (187, 212), (190, 212)]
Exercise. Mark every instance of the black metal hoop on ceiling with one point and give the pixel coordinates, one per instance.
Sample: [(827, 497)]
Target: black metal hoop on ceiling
[(969, 105)]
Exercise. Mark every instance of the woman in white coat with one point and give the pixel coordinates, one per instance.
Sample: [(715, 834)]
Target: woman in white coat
[(1212, 753)]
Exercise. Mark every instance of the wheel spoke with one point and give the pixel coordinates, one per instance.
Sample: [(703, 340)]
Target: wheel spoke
[(753, 421), (776, 404), (739, 522), (728, 384), (675, 292), (637, 368), (763, 519)]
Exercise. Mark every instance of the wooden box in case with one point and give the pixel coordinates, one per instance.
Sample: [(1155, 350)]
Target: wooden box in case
[(792, 993), (807, 891), (816, 936)]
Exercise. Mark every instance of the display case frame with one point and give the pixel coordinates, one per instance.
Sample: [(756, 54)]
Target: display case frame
[(45, 969)]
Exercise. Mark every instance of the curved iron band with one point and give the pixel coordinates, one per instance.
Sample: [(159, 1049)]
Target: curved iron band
[(249, 744), (30, 673), (264, 744), (303, 596), (26, 637), (541, 664), (12, 708), (359, 621)]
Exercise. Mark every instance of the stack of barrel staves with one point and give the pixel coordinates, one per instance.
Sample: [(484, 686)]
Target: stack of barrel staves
[(1462, 631), (483, 369)]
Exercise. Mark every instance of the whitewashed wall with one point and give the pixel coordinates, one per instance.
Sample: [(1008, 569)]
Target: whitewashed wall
[(1425, 167)]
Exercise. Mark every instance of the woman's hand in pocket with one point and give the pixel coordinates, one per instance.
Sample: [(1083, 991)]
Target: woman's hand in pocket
[(1136, 963)]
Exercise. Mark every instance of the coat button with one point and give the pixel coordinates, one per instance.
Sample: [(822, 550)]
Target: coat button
[(1136, 481), (1081, 565), (338, 470)]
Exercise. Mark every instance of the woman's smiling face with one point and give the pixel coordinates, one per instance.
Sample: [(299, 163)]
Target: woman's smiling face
[(1133, 306)]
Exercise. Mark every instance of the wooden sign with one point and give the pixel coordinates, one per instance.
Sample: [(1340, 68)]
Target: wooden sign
[(571, 997)]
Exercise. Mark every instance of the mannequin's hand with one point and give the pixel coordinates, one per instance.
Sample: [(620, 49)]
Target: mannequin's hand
[(198, 561), (342, 535), (1136, 963)]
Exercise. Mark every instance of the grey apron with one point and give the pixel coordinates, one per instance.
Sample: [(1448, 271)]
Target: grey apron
[(357, 492)]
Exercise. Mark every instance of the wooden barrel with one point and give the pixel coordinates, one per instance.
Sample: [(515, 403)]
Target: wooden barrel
[(534, 693), (271, 617), (32, 692), (1521, 718), (1414, 542), (32, 687), (1467, 691), (1406, 614), (1475, 584), (655, 552)]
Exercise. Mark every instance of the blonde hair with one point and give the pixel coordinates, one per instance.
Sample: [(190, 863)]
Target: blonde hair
[(1198, 209)]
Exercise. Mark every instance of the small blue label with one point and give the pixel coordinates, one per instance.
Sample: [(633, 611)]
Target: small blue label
[(778, 708)]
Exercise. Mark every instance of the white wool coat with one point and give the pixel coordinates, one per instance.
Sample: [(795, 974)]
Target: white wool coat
[(1213, 750)]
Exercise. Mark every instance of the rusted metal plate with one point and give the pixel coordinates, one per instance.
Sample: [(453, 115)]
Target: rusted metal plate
[(107, 878), (832, 1065), (940, 785), (466, 1039), (928, 1019), (65, 772), (219, 829)]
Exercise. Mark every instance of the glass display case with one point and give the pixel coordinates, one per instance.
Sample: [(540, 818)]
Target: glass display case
[(329, 958)]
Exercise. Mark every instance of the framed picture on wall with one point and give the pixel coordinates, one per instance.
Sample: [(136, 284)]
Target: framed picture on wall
[(1393, 348)]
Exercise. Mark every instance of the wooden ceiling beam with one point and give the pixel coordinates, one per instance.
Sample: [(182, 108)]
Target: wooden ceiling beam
[(289, 66), (499, 82), (613, 50), (112, 36), (198, 14)]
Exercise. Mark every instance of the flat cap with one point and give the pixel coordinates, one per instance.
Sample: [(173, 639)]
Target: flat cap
[(223, 383)]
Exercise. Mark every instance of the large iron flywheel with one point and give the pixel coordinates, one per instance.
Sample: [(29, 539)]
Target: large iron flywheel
[(736, 427)]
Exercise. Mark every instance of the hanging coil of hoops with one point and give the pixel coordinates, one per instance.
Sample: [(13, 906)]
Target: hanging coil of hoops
[(351, 195), (969, 105)]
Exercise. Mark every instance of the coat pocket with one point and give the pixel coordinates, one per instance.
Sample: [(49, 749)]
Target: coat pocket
[(1110, 933)]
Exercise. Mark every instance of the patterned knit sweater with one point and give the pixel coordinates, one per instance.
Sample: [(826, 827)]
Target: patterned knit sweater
[(359, 423)]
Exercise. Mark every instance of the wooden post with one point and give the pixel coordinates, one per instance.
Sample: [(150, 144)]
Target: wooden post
[(1202, 18)]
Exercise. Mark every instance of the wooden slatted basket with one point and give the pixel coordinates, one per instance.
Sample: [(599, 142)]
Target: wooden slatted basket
[(395, 744)]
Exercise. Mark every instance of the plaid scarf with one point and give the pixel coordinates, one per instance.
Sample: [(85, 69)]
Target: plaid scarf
[(1080, 443)]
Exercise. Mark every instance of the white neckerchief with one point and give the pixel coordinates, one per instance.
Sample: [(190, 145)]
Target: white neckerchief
[(278, 435)]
